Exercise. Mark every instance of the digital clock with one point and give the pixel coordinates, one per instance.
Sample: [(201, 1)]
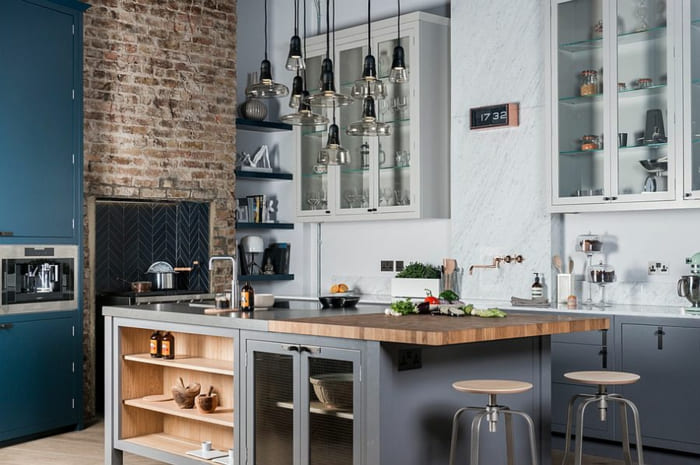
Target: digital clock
[(494, 116)]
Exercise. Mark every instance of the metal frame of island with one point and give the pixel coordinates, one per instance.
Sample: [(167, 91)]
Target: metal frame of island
[(400, 416)]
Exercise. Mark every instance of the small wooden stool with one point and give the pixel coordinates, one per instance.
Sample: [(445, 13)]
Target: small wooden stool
[(602, 379), (492, 387)]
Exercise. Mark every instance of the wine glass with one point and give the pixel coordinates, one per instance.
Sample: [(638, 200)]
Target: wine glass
[(313, 199), (400, 105)]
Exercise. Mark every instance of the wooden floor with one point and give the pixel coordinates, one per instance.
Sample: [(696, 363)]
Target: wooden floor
[(86, 447)]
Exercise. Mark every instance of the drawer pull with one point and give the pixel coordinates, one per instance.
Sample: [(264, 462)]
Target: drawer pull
[(660, 338), (5, 325), (291, 348), (6, 234)]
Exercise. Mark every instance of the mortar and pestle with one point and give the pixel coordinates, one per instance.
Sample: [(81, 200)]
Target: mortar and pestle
[(184, 395), (207, 403)]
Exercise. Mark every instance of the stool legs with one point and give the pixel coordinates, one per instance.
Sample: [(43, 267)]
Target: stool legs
[(488, 412), (603, 398)]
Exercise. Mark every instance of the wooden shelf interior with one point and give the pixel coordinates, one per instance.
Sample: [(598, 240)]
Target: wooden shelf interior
[(209, 362), (318, 408), (172, 444)]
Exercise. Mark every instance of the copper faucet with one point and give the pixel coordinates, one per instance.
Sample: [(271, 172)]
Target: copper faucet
[(497, 262)]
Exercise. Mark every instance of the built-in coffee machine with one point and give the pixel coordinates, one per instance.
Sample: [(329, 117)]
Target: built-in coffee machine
[(38, 277)]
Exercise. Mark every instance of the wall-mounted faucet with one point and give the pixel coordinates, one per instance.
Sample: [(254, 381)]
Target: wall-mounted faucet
[(234, 276), (497, 262)]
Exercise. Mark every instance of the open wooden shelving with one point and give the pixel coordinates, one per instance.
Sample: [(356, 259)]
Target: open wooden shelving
[(221, 416), (221, 367), (168, 443)]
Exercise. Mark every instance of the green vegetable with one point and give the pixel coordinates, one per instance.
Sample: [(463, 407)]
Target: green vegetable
[(467, 309), (403, 307), (419, 270), (449, 296), (489, 313)]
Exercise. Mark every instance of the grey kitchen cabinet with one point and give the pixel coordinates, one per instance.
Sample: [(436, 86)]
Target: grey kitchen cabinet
[(285, 421), (664, 353), (579, 352)]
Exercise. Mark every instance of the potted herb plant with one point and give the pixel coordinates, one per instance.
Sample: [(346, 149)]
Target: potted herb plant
[(416, 280)]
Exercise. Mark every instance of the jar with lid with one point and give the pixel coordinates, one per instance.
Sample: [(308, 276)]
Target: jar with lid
[(590, 142), (589, 82)]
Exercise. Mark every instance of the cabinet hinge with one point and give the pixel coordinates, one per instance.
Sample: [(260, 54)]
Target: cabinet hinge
[(73, 327), (73, 94), (360, 374), (73, 223), (73, 28), (73, 367), (73, 159), (72, 401)]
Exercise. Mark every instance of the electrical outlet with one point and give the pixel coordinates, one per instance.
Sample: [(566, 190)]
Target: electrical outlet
[(657, 268), (410, 359), (386, 265), (399, 265)]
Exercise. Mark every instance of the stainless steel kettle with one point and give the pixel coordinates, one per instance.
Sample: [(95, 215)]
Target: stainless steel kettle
[(46, 275)]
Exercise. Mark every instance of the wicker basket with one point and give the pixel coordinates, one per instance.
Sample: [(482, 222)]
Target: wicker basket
[(334, 390)]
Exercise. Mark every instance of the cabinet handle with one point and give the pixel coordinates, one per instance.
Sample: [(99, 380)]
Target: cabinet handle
[(688, 194), (606, 198), (310, 349), (660, 338), (5, 325), (604, 354), (614, 197), (290, 347), (6, 233), (328, 212)]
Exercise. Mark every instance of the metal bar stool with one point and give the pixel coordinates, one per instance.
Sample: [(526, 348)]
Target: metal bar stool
[(492, 387), (602, 379)]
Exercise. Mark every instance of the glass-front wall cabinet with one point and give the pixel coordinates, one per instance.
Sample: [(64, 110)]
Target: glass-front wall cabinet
[(692, 74), (304, 402), (394, 151), (614, 107)]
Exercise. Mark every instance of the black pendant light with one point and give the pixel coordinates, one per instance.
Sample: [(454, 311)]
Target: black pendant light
[(327, 97), (295, 60), (333, 153), (369, 85), (266, 87), (304, 116), (398, 74), (368, 125)]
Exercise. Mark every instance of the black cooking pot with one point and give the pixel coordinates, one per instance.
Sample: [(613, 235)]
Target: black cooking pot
[(162, 280)]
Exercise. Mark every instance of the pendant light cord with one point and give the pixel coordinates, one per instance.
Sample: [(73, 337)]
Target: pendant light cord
[(369, 28), (398, 21), (296, 17), (266, 29), (305, 88), (328, 28), (334, 55)]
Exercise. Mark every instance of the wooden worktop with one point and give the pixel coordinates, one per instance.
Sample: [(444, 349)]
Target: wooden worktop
[(437, 330)]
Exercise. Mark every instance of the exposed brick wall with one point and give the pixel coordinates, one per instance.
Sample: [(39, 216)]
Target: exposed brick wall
[(159, 103)]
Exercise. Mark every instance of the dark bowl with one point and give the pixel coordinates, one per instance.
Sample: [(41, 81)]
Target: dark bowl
[(332, 301)]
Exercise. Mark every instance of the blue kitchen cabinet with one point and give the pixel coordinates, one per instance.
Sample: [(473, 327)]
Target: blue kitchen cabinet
[(40, 120), (40, 359), (665, 354)]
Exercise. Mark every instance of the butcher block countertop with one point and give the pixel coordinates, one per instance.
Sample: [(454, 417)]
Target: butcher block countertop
[(436, 330)]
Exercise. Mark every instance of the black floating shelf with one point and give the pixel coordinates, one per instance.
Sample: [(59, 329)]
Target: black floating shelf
[(264, 225), (263, 176), (262, 126), (265, 277)]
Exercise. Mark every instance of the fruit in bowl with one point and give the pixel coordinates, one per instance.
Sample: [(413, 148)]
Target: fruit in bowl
[(339, 288)]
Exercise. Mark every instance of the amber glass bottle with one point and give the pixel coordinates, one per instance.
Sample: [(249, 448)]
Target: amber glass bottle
[(155, 345), (247, 298), (167, 346)]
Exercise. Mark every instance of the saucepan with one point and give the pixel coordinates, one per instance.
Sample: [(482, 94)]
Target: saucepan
[(162, 275), (138, 286)]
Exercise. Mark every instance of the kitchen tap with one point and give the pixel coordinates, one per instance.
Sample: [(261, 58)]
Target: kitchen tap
[(234, 276)]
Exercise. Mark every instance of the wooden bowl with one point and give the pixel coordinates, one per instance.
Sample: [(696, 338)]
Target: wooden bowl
[(184, 395), (206, 403)]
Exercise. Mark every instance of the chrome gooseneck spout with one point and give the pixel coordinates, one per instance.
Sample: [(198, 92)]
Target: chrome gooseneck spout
[(234, 276)]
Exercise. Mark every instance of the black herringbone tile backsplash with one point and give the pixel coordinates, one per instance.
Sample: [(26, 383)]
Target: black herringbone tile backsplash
[(130, 236)]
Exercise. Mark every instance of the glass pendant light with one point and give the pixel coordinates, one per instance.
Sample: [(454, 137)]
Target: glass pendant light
[(297, 90), (266, 87), (333, 153), (295, 60), (368, 125), (369, 85), (398, 74), (304, 116), (327, 97)]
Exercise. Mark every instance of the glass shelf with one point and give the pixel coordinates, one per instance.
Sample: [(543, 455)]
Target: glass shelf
[(695, 82), (582, 45), (401, 167), (640, 36), (696, 141), (354, 170), (399, 121), (623, 39), (578, 99), (580, 152), (695, 22), (647, 146), (313, 175), (312, 132)]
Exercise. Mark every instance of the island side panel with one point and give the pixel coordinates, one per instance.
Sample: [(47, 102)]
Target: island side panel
[(416, 406)]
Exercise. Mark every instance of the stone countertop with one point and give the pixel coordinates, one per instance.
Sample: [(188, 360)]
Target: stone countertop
[(367, 322)]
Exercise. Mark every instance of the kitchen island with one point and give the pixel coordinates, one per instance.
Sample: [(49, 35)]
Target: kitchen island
[(396, 408)]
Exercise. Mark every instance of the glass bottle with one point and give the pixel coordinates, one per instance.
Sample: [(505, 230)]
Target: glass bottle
[(167, 346), (537, 291), (155, 345), (589, 82), (247, 298)]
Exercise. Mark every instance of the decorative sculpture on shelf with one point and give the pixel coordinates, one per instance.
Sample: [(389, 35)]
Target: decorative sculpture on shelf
[(260, 161)]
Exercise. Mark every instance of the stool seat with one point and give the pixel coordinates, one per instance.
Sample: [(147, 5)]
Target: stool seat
[(602, 377), (492, 386)]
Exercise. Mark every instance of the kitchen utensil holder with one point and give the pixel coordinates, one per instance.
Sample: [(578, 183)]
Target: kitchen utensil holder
[(565, 287)]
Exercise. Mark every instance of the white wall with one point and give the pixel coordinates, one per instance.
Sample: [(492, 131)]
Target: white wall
[(498, 176)]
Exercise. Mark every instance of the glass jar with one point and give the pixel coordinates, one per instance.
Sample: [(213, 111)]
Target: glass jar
[(643, 83), (590, 142), (589, 82), (601, 273)]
